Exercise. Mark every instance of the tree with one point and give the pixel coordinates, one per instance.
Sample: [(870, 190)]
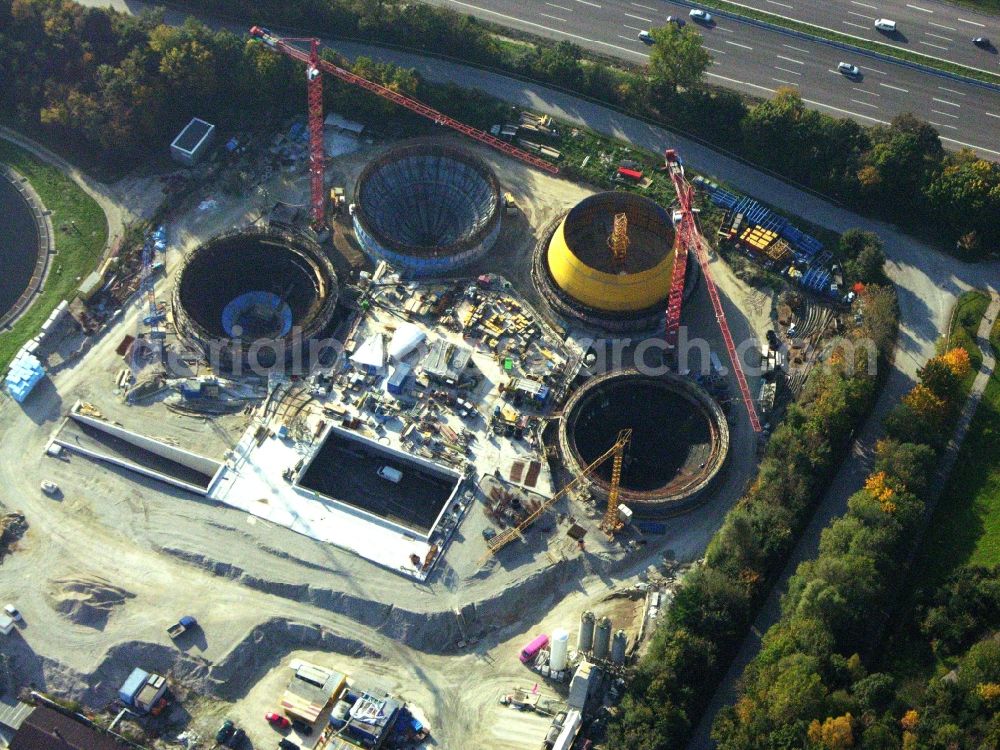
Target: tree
[(678, 59), (862, 256), (834, 733)]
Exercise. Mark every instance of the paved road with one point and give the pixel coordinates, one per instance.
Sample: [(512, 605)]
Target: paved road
[(758, 61), (847, 482), (929, 27)]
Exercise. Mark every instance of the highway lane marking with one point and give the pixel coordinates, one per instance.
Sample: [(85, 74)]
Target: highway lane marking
[(737, 44), (894, 88), (855, 25), (861, 15), (554, 18), (973, 23), (939, 112), (942, 125), (634, 28), (723, 29), (945, 101), (990, 114), (639, 18), (938, 36), (917, 7), (864, 5), (942, 26), (783, 5), (789, 59), (863, 91), (797, 49), (587, 2), (628, 38), (548, 28), (787, 83), (936, 46), (970, 145), (716, 51), (786, 70), (880, 72), (864, 104), (560, 7), (951, 91), (644, 7)]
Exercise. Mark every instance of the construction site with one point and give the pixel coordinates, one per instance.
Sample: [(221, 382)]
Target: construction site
[(417, 417)]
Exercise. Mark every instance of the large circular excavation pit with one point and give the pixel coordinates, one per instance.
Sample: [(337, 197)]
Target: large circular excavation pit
[(427, 208), (679, 438), (578, 273), (255, 291)]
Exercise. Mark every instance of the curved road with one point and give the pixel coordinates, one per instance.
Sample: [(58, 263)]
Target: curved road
[(758, 61)]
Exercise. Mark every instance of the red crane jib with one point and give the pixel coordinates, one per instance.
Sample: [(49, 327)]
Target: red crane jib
[(687, 240), (312, 59)]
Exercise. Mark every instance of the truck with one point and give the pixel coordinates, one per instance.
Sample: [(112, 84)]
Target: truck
[(181, 626)]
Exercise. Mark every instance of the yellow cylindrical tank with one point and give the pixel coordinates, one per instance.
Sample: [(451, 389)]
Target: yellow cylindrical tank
[(583, 266), (607, 290)]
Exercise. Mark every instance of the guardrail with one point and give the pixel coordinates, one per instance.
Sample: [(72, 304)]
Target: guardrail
[(844, 46)]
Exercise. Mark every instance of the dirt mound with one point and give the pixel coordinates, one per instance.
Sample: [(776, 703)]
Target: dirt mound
[(87, 601), (12, 528)]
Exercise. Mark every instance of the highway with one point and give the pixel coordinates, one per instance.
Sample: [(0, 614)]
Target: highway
[(929, 27), (758, 61)]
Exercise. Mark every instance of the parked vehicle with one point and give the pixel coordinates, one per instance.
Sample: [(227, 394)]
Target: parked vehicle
[(884, 24), (848, 70), (227, 730), (277, 720), (645, 36), (12, 612), (181, 626), (50, 488), (236, 739), (982, 42), (676, 20), (390, 474), (530, 651), (701, 16), (287, 744)]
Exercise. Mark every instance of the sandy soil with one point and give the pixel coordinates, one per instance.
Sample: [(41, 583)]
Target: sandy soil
[(148, 554)]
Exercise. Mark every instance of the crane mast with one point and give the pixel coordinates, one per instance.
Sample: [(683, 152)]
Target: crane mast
[(316, 66), (688, 239), (507, 536)]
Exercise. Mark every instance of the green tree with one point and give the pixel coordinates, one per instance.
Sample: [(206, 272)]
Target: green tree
[(677, 60)]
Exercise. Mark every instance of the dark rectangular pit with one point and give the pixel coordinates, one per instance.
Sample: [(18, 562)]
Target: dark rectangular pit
[(345, 468)]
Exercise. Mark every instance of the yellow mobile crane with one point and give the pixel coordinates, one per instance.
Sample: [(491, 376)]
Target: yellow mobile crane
[(617, 450)]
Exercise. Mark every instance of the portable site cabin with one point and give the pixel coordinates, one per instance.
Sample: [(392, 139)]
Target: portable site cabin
[(192, 142)]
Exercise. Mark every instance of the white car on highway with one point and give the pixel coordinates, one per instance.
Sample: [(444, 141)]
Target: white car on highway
[(701, 16), (884, 24), (848, 69)]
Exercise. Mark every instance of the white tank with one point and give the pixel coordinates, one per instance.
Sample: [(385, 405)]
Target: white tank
[(560, 650)]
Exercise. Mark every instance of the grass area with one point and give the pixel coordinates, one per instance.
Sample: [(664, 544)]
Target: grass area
[(965, 529), (77, 251), (853, 41), (969, 311)]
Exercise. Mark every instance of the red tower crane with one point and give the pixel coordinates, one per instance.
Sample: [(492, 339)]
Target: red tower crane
[(689, 240), (315, 66)]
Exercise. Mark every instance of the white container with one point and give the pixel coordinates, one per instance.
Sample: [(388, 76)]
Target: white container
[(560, 650)]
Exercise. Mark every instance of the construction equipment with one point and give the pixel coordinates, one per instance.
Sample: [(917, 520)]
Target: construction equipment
[(612, 524), (315, 66), (688, 239), (507, 536), (618, 241), (153, 317)]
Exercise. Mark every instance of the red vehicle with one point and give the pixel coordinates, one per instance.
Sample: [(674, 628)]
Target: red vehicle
[(277, 720)]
